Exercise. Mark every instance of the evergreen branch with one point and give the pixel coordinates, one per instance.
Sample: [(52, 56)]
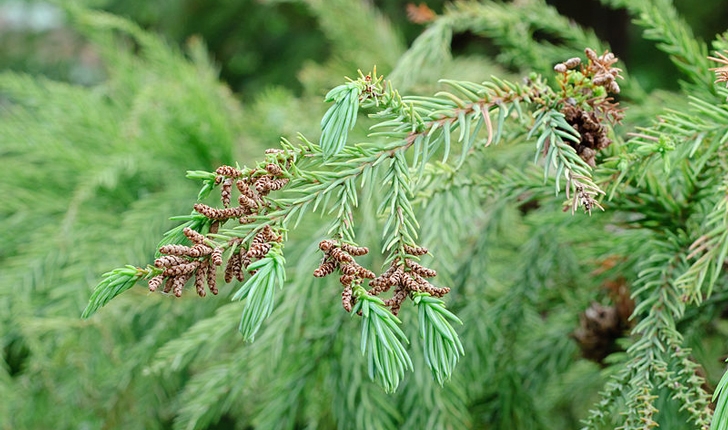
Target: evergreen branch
[(342, 225), (312, 188), (176, 236), (352, 391), (387, 359), (658, 342), (426, 55), (442, 346), (208, 181), (340, 118), (310, 175), (114, 283), (553, 130), (720, 415), (450, 400), (663, 24), (713, 245), (401, 225), (513, 29), (613, 392), (351, 25), (259, 290)]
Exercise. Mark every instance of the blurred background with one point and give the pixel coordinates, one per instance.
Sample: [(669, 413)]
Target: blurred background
[(259, 43), (100, 117)]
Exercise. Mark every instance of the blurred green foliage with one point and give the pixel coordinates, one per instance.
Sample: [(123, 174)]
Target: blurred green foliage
[(259, 43), (99, 119)]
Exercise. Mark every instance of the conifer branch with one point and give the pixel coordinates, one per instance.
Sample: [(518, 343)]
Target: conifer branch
[(442, 346), (273, 195), (657, 357), (663, 24), (114, 283), (381, 341), (712, 249), (259, 290), (720, 415), (449, 168)]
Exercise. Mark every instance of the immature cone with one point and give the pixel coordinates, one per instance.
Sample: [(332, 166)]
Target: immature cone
[(168, 261), (347, 301), (274, 169), (228, 171), (212, 279), (155, 282), (339, 256), (600, 67), (216, 256), (200, 276), (326, 268), (406, 279), (234, 268), (226, 191), (415, 250)]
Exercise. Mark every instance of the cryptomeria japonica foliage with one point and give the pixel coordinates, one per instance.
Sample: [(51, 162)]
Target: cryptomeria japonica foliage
[(570, 126), (450, 244)]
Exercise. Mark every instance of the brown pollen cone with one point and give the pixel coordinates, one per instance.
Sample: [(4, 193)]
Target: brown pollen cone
[(593, 133)]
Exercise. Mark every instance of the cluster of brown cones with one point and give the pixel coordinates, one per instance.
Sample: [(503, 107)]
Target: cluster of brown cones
[(252, 187), (599, 69), (181, 263), (341, 256), (406, 278), (593, 133), (589, 122), (241, 257)]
